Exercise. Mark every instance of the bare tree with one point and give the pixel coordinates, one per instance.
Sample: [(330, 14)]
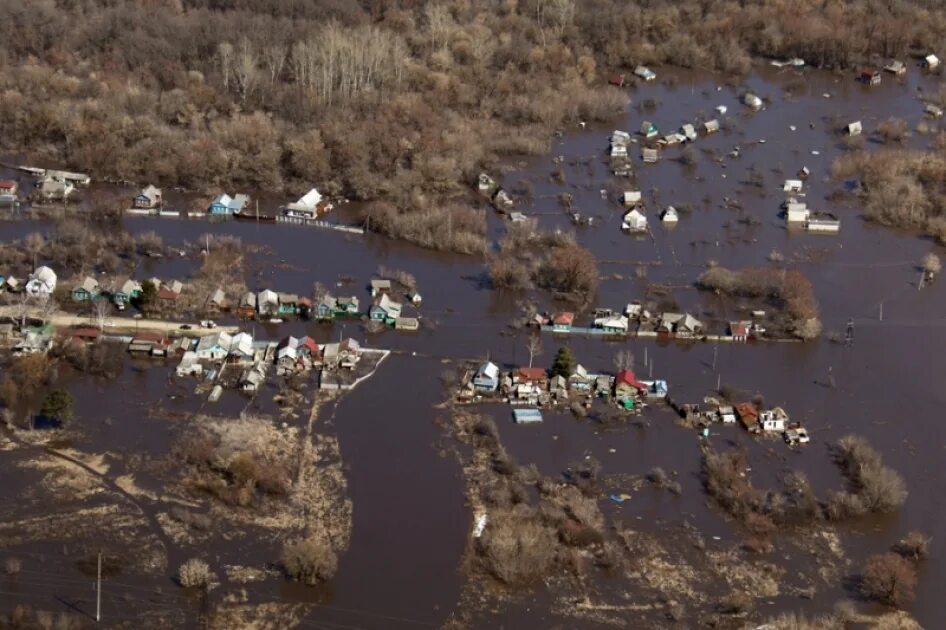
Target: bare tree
[(47, 306), (24, 308), (932, 265), (34, 244), (534, 346), (624, 360), (102, 309), (225, 53), (246, 70), (274, 56)]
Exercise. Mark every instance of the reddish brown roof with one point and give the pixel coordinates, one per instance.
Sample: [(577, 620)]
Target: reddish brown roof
[(85, 333), (531, 374), (739, 329), (7, 184), (167, 294), (309, 342), (747, 413), (626, 377), (563, 318)]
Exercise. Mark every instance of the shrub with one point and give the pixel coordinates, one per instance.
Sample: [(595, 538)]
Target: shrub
[(517, 547), (736, 603), (194, 573), (915, 545), (309, 560), (889, 579), (878, 488)]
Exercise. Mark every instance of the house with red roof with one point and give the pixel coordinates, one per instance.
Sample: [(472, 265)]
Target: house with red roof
[(562, 322), (534, 376), (627, 387)]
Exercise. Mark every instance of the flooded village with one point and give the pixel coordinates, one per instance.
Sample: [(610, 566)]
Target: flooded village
[(667, 391)]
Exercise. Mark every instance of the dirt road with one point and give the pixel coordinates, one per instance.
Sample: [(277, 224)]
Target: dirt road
[(115, 324)]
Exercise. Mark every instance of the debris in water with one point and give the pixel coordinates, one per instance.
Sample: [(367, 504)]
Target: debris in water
[(620, 498), (826, 95), (791, 127), (815, 152)]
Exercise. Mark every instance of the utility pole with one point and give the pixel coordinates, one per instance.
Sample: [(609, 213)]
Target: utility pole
[(715, 352), (98, 592), (881, 311), (645, 355), (719, 382)]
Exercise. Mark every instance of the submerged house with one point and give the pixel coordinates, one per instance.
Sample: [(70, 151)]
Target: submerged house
[(854, 129), (486, 378), (896, 67), (650, 156), (267, 302), (930, 62), (149, 197), (214, 347), (870, 76), (385, 309), (309, 206), (614, 324), (562, 322), (773, 419), (225, 204), (50, 189), (711, 126), (42, 282), (247, 307), (627, 387), (748, 415), (634, 221)]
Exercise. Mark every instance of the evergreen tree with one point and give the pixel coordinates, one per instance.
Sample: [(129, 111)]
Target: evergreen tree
[(563, 363)]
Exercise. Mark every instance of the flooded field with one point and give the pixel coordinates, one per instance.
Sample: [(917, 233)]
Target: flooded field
[(410, 518)]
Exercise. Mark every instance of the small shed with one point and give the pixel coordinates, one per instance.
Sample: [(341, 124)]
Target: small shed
[(635, 221), (688, 131), (896, 67), (711, 126), (933, 111), (649, 129), (527, 416), (650, 156), (645, 73), (797, 212), (854, 129), (631, 197), (792, 185), (617, 80), (930, 62)]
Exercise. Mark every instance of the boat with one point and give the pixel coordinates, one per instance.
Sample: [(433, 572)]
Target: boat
[(259, 218)]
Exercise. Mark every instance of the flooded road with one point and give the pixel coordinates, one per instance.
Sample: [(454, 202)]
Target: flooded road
[(410, 522)]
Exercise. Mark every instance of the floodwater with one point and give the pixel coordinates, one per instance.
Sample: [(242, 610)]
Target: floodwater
[(410, 522)]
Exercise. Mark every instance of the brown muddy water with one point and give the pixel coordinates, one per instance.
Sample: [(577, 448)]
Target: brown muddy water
[(410, 523)]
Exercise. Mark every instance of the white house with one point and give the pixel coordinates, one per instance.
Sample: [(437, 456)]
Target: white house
[(42, 282), (614, 323), (241, 347), (792, 185), (267, 302), (634, 221), (689, 131), (631, 197), (796, 212), (307, 206), (189, 365), (773, 419)]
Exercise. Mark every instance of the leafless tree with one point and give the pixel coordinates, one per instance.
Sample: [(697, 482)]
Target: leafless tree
[(225, 53), (534, 346), (102, 309), (274, 56), (24, 308), (246, 70), (47, 306), (624, 360)]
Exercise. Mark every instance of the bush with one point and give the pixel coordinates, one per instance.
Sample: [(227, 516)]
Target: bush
[(309, 560), (736, 603), (915, 545), (877, 487), (889, 579), (517, 547), (194, 573)]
